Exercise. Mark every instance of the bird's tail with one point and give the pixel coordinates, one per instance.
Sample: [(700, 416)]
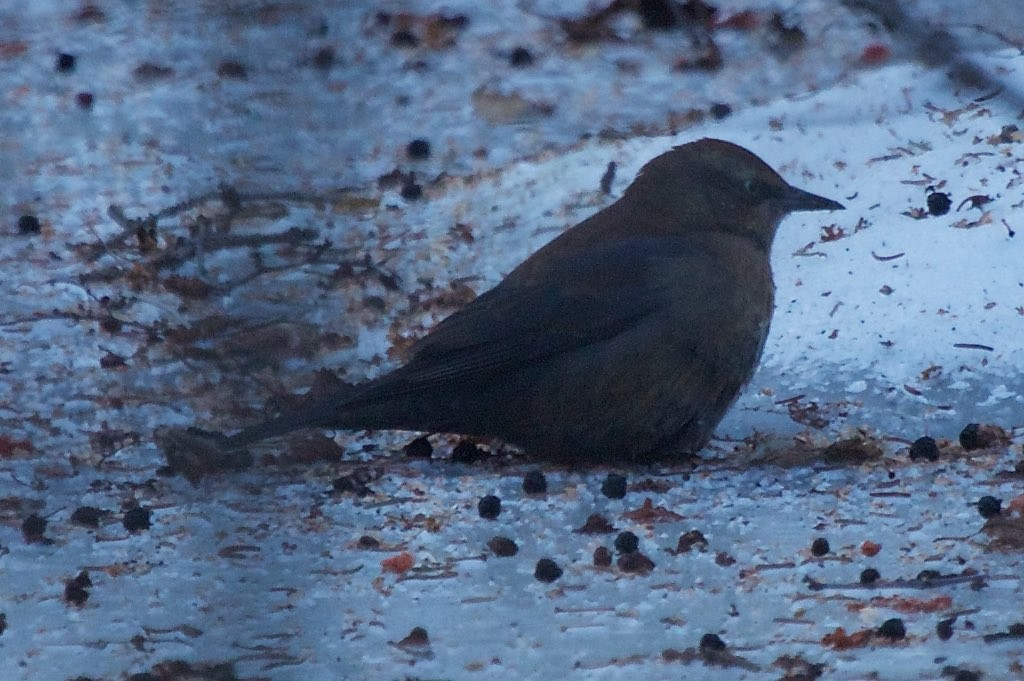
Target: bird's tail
[(321, 412)]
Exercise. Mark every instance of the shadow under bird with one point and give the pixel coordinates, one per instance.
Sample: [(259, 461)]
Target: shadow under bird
[(625, 339)]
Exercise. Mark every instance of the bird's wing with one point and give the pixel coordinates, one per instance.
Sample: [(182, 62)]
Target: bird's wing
[(599, 293)]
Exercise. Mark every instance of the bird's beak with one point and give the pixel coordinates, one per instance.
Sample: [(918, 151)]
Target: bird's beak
[(797, 200)]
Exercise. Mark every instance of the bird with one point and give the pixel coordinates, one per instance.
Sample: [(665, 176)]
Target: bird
[(624, 340)]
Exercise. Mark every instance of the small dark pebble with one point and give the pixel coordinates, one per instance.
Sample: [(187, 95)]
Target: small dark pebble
[(3, 623), (547, 570), (944, 628), (232, 69), (75, 594), (87, 516), (417, 637), (869, 576), (368, 542), (418, 149), (939, 203), (924, 448), (820, 547), (694, 539), (595, 524), (966, 675), (324, 58), (111, 324), (82, 579), (76, 590), (602, 557), (351, 484), (970, 437), (33, 528), (893, 629), (976, 436), (720, 111), (29, 224), (411, 191), (711, 643), (635, 563), (148, 72), (627, 542), (419, 449), (520, 58), (614, 486), (989, 506), (404, 38), (466, 452), (65, 63), (503, 547), (489, 507), (928, 575), (136, 519), (723, 559), (534, 482)]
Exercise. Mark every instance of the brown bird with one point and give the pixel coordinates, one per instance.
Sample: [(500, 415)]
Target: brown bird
[(626, 338)]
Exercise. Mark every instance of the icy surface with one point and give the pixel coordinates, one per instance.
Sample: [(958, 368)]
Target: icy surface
[(891, 323)]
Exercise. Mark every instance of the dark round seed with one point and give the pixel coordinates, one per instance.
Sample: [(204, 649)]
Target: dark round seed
[(534, 482), (547, 570), (136, 519), (324, 58), (489, 507), (893, 629), (820, 547), (869, 576), (627, 542), (418, 149), (720, 111), (33, 528), (65, 63), (970, 437), (368, 542), (939, 203), (945, 628), (28, 224), (520, 58), (924, 448), (614, 486), (989, 506)]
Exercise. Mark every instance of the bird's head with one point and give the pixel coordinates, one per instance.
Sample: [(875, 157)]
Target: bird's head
[(716, 185)]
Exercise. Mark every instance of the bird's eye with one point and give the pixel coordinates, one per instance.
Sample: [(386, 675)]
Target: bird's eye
[(751, 186)]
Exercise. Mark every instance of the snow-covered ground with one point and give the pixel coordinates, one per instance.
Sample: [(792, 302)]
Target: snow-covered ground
[(231, 123)]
